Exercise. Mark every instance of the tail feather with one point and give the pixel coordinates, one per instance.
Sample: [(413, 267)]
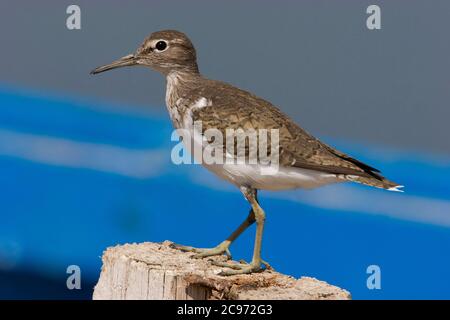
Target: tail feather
[(378, 182)]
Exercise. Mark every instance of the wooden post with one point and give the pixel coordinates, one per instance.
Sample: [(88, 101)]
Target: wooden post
[(157, 271)]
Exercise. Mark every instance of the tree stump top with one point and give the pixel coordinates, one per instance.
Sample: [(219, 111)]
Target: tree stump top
[(157, 271)]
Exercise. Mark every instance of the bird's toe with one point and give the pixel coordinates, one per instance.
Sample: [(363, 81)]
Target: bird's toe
[(240, 268)]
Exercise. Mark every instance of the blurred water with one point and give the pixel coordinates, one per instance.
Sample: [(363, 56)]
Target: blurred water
[(75, 179)]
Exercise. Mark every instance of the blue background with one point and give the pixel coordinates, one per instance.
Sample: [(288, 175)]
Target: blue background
[(58, 211)]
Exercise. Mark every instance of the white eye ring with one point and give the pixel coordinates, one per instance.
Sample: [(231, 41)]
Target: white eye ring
[(161, 45)]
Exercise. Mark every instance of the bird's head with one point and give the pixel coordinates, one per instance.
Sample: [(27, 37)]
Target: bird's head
[(163, 51)]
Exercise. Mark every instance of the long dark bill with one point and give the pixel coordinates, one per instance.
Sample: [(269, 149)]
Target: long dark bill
[(129, 60)]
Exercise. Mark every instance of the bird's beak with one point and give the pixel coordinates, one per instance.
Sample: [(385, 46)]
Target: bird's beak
[(129, 60)]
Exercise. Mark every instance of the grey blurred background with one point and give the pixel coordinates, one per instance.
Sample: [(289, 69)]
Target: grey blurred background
[(316, 60)]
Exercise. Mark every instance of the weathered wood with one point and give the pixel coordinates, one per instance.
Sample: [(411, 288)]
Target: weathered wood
[(157, 271)]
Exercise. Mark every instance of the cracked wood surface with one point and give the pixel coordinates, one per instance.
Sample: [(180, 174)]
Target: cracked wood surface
[(156, 271)]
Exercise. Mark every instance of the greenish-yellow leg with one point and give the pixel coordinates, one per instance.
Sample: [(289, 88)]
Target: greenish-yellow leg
[(223, 247), (255, 264)]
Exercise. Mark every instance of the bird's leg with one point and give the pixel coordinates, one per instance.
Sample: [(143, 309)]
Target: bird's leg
[(255, 264), (223, 247)]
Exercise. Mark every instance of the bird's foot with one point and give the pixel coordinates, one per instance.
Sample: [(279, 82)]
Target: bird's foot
[(242, 267), (221, 249)]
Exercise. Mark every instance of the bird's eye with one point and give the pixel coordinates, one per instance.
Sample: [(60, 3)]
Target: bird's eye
[(161, 45)]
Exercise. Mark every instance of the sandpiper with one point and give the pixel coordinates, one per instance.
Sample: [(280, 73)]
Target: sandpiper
[(304, 161)]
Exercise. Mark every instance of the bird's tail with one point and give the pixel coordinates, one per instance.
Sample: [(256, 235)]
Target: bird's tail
[(377, 181)]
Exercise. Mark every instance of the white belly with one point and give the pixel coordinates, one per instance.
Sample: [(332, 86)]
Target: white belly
[(281, 179)]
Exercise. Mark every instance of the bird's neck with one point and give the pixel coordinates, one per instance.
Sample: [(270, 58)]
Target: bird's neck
[(179, 84), (179, 81)]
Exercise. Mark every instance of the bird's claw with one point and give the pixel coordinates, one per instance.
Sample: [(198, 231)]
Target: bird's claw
[(267, 265), (205, 252), (238, 268), (242, 267)]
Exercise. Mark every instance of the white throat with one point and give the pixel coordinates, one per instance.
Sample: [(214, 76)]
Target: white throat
[(173, 79)]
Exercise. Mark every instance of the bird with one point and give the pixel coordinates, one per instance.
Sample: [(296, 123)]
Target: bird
[(304, 161)]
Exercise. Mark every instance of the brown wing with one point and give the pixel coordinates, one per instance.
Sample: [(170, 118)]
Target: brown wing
[(233, 108)]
